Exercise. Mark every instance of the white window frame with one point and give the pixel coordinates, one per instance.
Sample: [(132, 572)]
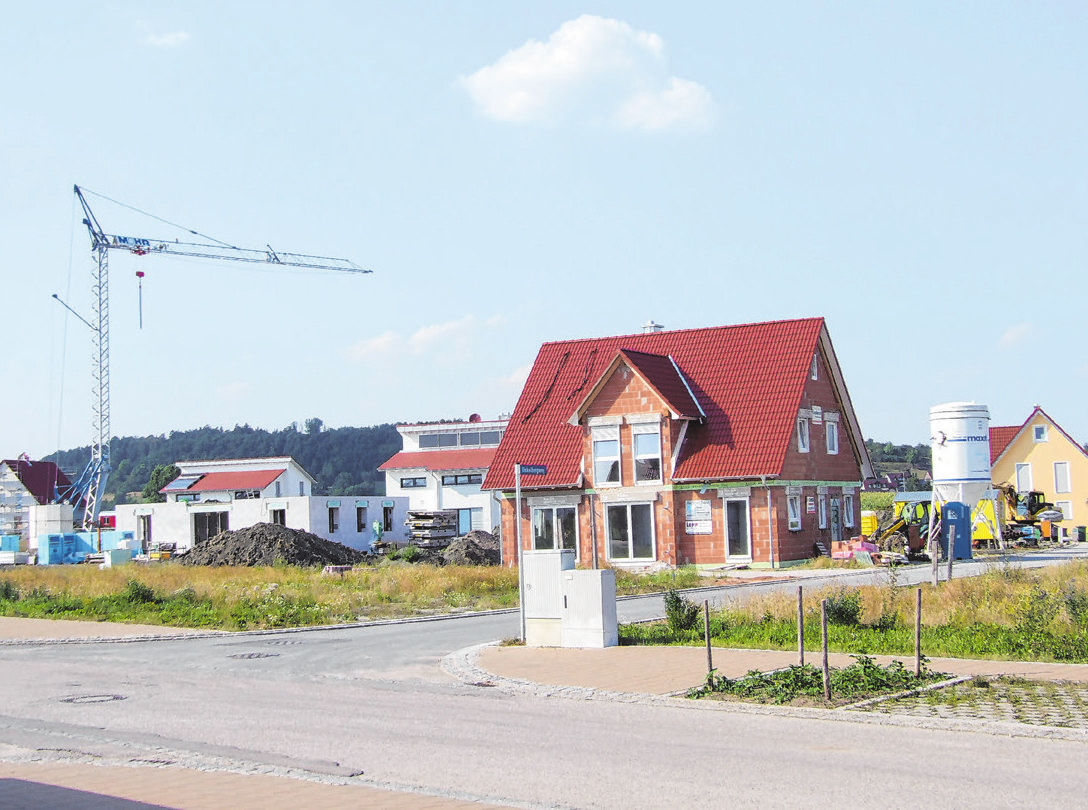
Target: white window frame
[(1066, 507), (793, 512), (609, 433), (726, 503), (1021, 486), (1039, 433), (803, 434), (556, 526), (814, 372), (630, 541), (848, 510), (831, 433), (646, 430), (1062, 484), (821, 505)]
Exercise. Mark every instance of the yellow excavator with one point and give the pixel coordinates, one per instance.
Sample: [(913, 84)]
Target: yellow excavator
[(908, 530), (1024, 511)]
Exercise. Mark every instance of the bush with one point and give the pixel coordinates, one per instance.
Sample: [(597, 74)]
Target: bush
[(844, 607), (680, 613), (9, 591), (1074, 598), (137, 593)]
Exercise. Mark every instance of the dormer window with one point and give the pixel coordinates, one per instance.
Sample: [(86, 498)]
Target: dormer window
[(646, 442), (606, 456)]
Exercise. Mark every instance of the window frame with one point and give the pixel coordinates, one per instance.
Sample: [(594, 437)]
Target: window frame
[(454, 479), (831, 429), (821, 507), (1067, 514), (413, 482), (793, 513), (1040, 434), (848, 510), (334, 519), (804, 434), (1068, 484), (630, 540), (360, 519), (600, 436), (551, 514), (646, 429)]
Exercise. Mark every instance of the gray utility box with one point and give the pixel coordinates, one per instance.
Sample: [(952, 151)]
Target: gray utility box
[(589, 609), (542, 572)]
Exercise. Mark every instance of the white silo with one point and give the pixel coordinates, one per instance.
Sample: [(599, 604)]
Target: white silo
[(960, 441)]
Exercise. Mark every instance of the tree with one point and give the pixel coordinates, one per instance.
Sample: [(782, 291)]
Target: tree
[(162, 475), (314, 425)]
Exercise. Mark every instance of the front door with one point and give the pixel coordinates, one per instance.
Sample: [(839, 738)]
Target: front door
[(738, 543), (836, 524)]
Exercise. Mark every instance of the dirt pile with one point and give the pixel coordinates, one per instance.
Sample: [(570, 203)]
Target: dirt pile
[(267, 544), (475, 548)]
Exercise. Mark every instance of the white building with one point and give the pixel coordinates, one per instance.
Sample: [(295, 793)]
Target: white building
[(25, 484), (209, 497), (441, 467)]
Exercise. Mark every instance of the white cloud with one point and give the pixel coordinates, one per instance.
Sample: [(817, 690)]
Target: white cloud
[(1014, 335), (441, 339), (442, 335), (170, 40), (592, 70)]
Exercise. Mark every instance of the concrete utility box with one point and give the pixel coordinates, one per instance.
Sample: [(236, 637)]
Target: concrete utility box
[(542, 572), (53, 518), (116, 556), (589, 609)]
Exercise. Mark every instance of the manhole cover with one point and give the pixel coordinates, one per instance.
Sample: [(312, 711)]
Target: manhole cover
[(92, 698), (253, 655)]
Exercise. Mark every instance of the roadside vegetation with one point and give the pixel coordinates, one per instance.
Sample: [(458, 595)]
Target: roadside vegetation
[(252, 598), (1007, 613)]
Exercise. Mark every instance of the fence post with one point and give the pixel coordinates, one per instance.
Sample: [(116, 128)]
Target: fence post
[(800, 627), (918, 634), (706, 632), (827, 673)]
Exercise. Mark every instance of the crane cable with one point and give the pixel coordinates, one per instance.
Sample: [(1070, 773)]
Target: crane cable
[(160, 219)]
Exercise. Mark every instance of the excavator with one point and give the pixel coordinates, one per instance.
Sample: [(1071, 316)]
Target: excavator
[(1024, 511), (908, 531)]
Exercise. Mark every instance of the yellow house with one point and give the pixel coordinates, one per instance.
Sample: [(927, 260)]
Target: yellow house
[(1038, 455)]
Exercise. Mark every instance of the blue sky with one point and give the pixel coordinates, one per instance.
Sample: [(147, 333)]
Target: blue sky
[(515, 173)]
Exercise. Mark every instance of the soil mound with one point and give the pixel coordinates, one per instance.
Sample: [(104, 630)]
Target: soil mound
[(475, 548), (267, 544)]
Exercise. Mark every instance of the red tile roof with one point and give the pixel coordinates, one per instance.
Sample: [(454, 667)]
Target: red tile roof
[(471, 459), (239, 479), (1000, 438), (41, 478), (748, 380)]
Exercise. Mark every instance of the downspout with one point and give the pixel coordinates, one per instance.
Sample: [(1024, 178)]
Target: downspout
[(770, 522)]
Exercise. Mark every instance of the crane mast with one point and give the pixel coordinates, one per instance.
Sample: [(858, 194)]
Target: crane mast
[(89, 488)]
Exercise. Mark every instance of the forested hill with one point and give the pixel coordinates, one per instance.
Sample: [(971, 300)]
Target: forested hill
[(344, 460)]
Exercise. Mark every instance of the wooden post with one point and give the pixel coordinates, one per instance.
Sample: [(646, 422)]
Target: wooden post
[(827, 672), (918, 634), (800, 627), (706, 632), (951, 546)]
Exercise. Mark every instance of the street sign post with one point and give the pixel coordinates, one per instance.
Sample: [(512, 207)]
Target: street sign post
[(519, 470)]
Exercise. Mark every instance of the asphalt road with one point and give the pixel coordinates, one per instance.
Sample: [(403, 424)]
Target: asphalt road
[(371, 704)]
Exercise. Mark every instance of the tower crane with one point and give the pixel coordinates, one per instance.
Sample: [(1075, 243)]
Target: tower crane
[(91, 484)]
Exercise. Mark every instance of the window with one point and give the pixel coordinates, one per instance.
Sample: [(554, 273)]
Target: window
[(246, 494), (459, 480), (301, 488), (1023, 478), (831, 430), (1039, 433), (208, 524), (279, 517), (552, 524), (143, 531), (334, 519), (848, 511), (278, 490), (360, 519), (606, 457), (814, 372), (802, 434), (438, 440), (646, 440), (490, 436), (822, 506), (630, 531), (413, 483), (793, 512), (470, 439), (1067, 509), (387, 518), (1061, 477)]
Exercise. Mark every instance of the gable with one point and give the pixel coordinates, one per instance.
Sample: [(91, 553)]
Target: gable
[(747, 379)]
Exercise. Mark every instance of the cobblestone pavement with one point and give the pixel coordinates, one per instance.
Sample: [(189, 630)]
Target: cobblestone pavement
[(1055, 704)]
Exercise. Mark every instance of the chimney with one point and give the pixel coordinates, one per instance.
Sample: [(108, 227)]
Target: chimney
[(651, 326)]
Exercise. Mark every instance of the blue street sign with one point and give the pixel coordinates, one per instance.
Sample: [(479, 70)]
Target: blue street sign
[(533, 469)]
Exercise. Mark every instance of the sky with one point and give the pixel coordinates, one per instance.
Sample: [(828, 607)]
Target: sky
[(516, 173)]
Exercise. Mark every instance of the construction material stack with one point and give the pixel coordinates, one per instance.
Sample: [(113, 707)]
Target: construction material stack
[(432, 528)]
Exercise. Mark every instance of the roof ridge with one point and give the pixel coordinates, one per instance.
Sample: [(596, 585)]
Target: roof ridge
[(719, 328)]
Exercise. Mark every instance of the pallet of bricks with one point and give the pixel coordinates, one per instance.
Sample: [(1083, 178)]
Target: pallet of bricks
[(432, 528)]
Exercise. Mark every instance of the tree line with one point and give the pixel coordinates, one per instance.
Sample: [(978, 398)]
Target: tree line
[(344, 460)]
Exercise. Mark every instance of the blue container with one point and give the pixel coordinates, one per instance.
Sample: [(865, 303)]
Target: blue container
[(956, 521), (9, 542)]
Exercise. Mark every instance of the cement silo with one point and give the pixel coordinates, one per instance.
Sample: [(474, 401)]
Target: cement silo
[(960, 441)]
